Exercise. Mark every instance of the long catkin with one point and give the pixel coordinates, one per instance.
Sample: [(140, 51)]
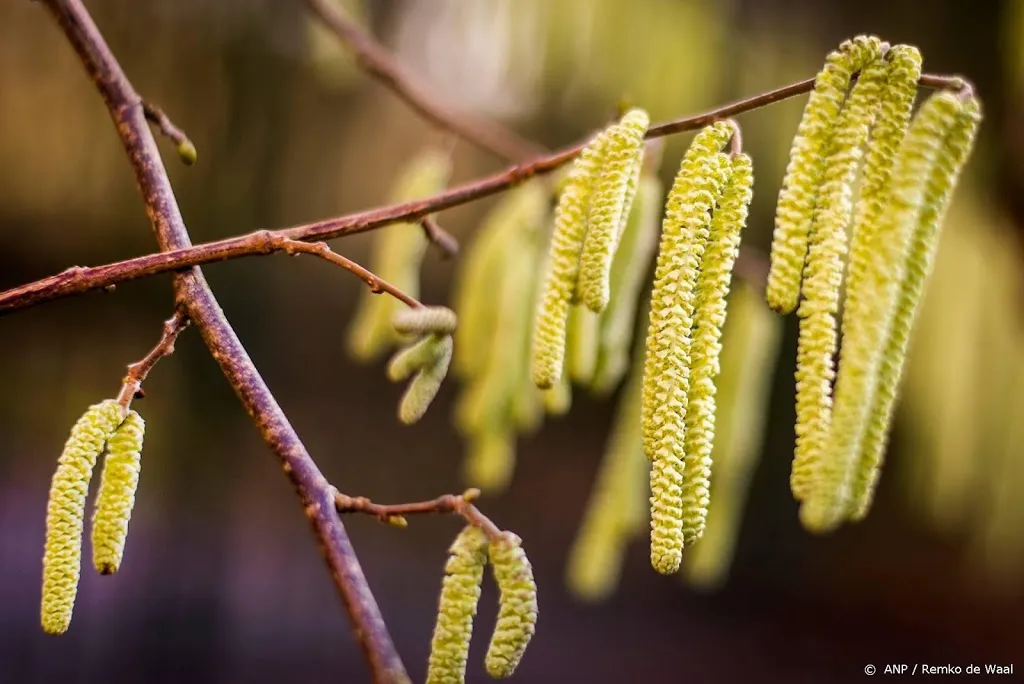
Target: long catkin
[(517, 606), (116, 496)]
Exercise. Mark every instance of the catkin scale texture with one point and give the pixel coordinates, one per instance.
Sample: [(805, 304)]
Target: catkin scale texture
[(456, 608), (806, 170), (517, 606), (116, 496), (65, 512), (709, 316), (425, 384)]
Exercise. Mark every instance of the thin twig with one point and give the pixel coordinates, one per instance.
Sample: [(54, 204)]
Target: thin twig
[(78, 279), (376, 283), (394, 514), (376, 61), (131, 386), (156, 116), (193, 293), (439, 237)]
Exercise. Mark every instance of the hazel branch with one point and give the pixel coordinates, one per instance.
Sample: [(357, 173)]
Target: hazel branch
[(131, 386), (380, 64), (199, 302), (395, 514), (439, 237), (156, 116)]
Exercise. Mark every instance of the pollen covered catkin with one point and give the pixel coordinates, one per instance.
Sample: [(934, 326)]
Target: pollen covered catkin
[(806, 170), (397, 255), (456, 608), (65, 512), (116, 496), (517, 606), (610, 206), (951, 158), (563, 264), (709, 316), (818, 338)]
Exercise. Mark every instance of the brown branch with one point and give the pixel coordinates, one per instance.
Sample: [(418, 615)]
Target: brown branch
[(131, 386), (156, 116), (195, 296), (439, 237), (376, 61), (394, 514)]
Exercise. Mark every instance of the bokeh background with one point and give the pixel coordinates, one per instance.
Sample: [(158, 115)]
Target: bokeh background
[(222, 581)]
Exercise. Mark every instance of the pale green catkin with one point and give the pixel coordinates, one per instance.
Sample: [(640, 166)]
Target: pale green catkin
[(667, 360), (629, 270), (557, 400), (423, 353), (709, 316), (617, 508), (397, 255), (806, 170), (491, 459), (425, 385), (818, 338), (116, 496), (65, 513), (829, 499), (582, 344), (750, 349), (563, 264), (456, 608), (421, 320), (517, 606), (948, 165), (610, 207)]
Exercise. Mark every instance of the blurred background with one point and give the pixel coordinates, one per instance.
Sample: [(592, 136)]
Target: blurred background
[(222, 581)]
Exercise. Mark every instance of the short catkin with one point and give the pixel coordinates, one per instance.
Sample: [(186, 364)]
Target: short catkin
[(426, 383), (116, 496), (65, 512), (517, 606), (685, 228), (456, 608), (949, 163), (421, 320), (806, 170), (819, 336), (730, 218)]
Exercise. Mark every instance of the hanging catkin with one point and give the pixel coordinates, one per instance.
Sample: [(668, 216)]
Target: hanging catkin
[(517, 606), (116, 496), (818, 338), (730, 217), (65, 512), (666, 364), (397, 255), (806, 170), (950, 160), (456, 608)]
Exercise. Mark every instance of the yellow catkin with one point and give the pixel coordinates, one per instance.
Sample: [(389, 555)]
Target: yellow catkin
[(517, 606), (491, 459), (425, 385), (617, 508), (421, 320), (424, 353), (629, 271), (750, 349), (65, 512), (806, 170), (582, 344), (563, 264), (667, 360), (709, 317), (456, 608), (950, 161), (818, 338), (397, 255), (610, 207), (116, 496)]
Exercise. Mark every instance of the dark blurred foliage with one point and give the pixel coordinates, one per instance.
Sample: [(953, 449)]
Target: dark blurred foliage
[(222, 581)]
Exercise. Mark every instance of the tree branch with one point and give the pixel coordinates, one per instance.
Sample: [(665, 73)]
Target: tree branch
[(394, 514), (131, 386), (156, 116), (77, 280), (376, 61), (195, 296)]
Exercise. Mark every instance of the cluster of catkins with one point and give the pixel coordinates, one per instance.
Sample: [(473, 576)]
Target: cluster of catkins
[(108, 426), (460, 593), (911, 164)]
